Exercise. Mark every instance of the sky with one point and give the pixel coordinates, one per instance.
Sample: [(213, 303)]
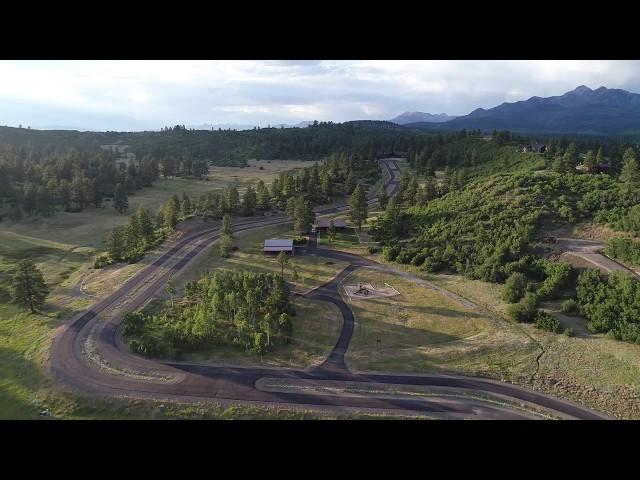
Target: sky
[(148, 95)]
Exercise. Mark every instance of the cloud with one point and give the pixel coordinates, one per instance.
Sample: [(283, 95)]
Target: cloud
[(123, 95)]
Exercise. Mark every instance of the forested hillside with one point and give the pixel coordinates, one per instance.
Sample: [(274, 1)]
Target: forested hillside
[(482, 204), (229, 147)]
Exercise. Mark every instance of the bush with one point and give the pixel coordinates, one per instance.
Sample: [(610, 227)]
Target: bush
[(390, 253), (624, 249), (405, 256), (102, 261), (570, 307), (525, 310), (514, 288), (418, 259), (373, 250), (300, 241), (544, 321), (568, 332), (557, 277)]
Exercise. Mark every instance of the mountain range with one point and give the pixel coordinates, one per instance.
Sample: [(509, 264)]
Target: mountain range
[(602, 111), (414, 117), (239, 126)]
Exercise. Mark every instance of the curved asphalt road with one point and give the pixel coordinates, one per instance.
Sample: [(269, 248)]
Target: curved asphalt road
[(89, 355)]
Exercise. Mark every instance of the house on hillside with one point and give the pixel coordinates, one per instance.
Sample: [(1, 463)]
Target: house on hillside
[(323, 224), (535, 148), (274, 246), (600, 168)]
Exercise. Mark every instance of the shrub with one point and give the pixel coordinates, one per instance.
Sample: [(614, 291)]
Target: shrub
[(624, 249), (373, 250), (418, 259), (514, 288), (533, 286), (557, 277), (568, 332), (300, 241), (570, 307), (405, 256), (544, 321), (390, 253), (102, 261), (525, 310)]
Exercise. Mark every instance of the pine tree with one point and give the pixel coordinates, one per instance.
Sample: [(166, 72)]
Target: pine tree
[(291, 206), (171, 213), (600, 157), (225, 243), (358, 204), (350, 183), (144, 225), (28, 287), (590, 162), (411, 192), (383, 198), (249, 200), (174, 201), (331, 232), (120, 200), (570, 158), (630, 175), (282, 259), (327, 187), (116, 244), (77, 193), (262, 196), (233, 198), (303, 216), (185, 207), (64, 189), (227, 228)]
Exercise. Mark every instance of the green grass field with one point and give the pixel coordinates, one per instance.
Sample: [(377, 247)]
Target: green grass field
[(343, 239), (421, 330)]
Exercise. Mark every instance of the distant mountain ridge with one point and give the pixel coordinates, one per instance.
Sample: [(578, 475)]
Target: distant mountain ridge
[(240, 126), (413, 117), (582, 110)]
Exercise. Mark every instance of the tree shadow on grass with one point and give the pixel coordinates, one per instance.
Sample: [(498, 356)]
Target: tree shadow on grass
[(447, 312), (18, 373), (381, 334)]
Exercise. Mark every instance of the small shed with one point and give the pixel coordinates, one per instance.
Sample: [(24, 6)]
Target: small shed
[(275, 245), (323, 224)]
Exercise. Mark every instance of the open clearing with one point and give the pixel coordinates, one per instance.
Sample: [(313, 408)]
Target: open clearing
[(265, 170), (343, 239), (313, 270), (421, 330)]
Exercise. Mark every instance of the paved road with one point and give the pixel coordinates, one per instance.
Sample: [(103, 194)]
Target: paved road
[(590, 251), (89, 354)]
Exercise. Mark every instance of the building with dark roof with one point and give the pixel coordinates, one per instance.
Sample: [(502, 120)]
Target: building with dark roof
[(323, 224)]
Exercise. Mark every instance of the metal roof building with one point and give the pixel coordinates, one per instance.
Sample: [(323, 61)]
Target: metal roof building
[(274, 245), (338, 222)]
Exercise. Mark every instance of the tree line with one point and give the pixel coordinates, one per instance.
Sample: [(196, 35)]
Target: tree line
[(40, 180)]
